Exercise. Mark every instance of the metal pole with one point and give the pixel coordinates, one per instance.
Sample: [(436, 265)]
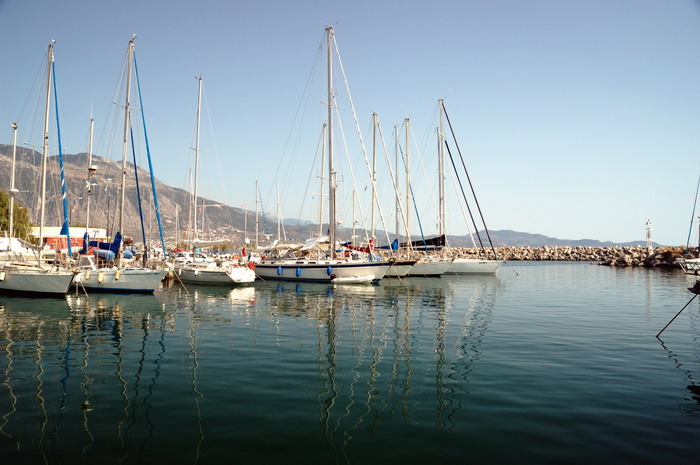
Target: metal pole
[(13, 191), (331, 173)]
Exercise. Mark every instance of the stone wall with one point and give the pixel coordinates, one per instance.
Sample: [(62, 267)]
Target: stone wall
[(666, 257)]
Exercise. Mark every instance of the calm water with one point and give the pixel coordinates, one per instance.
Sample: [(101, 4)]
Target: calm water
[(558, 364)]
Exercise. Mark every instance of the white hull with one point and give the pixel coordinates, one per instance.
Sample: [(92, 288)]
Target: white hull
[(400, 269), (320, 271), (34, 281), (128, 280), (430, 268), (215, 275), (464, 266)]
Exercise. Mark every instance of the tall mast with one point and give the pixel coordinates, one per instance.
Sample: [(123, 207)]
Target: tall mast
[(256, 213), (320, 190), (127, 122), (396, 168), (91, 173), (13, 191), (441, 174), (331, 173), (45, 149), (374, 170), (408, 184), (196, 154)]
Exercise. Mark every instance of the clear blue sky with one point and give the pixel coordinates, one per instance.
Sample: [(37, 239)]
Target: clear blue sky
[(578, 119)]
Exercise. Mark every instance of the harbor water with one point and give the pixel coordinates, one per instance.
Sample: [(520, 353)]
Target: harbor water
[(545, 363)]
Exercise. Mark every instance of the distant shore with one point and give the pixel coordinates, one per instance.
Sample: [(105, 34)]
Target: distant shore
[(660, 257)]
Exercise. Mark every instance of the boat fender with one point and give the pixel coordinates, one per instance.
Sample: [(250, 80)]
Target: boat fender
[(251, 265), (77, 277), (298, 272), (2, 276), (100, 276), (329, 270), (87, 275), (179, 272), (196, 272), (279, 271)]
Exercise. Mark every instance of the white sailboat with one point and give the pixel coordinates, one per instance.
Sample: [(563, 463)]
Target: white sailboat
[(113, 273), (326, 267), (209, 271), (25, 276), (427, 266)]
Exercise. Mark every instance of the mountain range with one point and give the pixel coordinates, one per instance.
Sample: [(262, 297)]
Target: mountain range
[(220, 220)]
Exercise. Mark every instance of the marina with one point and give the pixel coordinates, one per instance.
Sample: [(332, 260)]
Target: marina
[(534, 365)]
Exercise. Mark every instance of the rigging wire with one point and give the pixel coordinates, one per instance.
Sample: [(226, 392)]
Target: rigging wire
[(476, 201), (692, 217)]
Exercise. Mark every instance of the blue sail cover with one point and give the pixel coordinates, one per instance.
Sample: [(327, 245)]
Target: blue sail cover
[(106, 250)]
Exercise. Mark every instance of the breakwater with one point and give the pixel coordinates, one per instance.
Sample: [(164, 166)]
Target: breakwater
[(624, 256)]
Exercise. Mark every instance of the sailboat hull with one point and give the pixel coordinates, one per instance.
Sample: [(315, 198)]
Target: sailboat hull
[(400, 268), (467, 266), (215, 275), (427, 268), (320, 271), (34, 281), (129, 280)]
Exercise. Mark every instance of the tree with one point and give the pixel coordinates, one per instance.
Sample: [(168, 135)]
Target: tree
[(22, 225)]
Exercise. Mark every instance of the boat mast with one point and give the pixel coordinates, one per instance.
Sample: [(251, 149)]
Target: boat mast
[(321, 182), (127, 122), (91, 173), (196, 153), (256, 213), (331, 173), (45, 149), (396, 169), (441, 174), (374, 171), (408, 185), (13, 191)]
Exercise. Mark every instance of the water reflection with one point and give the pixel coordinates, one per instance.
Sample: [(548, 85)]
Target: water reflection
[(115, 378), (369, 339)]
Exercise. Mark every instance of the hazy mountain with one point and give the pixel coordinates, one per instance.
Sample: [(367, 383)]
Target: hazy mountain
[(219, 220)]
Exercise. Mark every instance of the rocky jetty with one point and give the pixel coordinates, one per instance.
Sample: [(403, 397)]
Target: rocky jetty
[(661, 257)]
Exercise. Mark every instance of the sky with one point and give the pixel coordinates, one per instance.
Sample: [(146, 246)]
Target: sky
[(576, 119)]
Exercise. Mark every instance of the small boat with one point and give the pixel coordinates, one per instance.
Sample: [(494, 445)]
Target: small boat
[(353, 279), (215, 273)]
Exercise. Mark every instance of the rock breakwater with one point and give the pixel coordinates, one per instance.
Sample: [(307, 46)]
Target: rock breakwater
[(661, 257)]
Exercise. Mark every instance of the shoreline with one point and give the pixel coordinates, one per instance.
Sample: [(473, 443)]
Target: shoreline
[(623, 256)]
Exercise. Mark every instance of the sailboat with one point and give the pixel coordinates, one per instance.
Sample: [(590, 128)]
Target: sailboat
[(328, 266), (462, 266), (107, 270), (428, 265), (209, 271), (35, 277)]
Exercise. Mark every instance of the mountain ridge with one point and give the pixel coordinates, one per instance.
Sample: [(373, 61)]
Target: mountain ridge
[(219, 219)]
